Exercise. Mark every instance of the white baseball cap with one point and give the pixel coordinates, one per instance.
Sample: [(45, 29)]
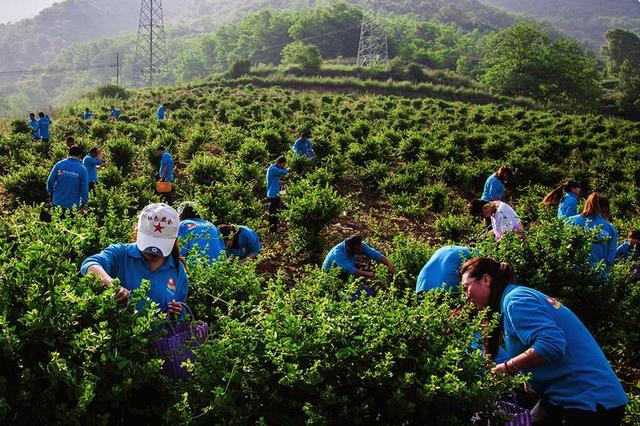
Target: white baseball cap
[(157, 229)]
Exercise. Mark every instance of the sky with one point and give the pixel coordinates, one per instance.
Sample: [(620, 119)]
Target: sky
[(14, 10)]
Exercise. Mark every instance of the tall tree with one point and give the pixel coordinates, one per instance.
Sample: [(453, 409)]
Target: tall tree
[(621, 45)]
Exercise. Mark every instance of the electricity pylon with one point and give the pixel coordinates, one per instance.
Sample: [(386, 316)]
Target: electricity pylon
[(151, 49), (373, 48)]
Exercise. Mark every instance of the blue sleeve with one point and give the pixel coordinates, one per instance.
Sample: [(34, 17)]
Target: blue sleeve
[(108, 259), (536, 328), (345, 264), (497, 189), (93, 161), (613, 242), (51, 180), (182, 287), (253, 244), (281, 172), (371, 253), (296, 147), (84, 188), (623, 251)]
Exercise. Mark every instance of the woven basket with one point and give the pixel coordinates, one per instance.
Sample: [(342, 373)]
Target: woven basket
[(176, 346)]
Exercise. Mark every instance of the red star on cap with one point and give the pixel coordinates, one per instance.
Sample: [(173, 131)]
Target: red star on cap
[(158, 227)]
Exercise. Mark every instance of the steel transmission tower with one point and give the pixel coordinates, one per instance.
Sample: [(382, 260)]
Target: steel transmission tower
[(151, 50), (373, 47)]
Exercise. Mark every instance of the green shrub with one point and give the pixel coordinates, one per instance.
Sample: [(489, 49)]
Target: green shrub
[(310, 208), (20, 126), (253, 151), (205, 170), (457, 228), (121, 154), (27, 185), (111, 176), (408, 258), (309, 354), (239, 67), (112, 91)]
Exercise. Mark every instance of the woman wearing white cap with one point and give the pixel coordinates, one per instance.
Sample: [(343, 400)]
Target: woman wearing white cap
[(154, 257)]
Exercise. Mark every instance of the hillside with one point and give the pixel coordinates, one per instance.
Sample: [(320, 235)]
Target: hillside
[(287, 342), (586, 20)]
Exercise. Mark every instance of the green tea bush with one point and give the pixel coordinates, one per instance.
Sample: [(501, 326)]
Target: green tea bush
[(458, 228), (275, 139), (408, 258), (200, 136), (69, 353), (205, 169), (252, 151), (100, 130), (27, 185), (20, 126), (310, 208), (121, 154), (309, 354)]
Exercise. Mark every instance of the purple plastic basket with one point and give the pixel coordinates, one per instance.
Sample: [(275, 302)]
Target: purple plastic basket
[(521, 416), (176, 346)]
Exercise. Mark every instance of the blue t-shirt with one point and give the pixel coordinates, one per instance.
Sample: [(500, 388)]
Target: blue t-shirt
[(160, 113), (43, 128), (303, 148), (443, 268), (338, 256), (167, 161), (576, 374), (568, 205), (605, 248), (68, 184), (625, 251), (115, 113), (34, 127), (125, 262), (493, 189), (273, 180), (201, 234), (86, 115), (91, 164), (248, 242)]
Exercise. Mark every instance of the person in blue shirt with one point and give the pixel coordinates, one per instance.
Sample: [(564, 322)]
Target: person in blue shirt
[(33, 124), (91, 163), (629, 249), (274, 172), (165, 173), (198, 234), (240, 241), (596, 214), (154, 257), (566, 197), (68, 182), (114, 114), (443, 268), (547, 340), (160, 113), (87, 114), (43, 132), (494, 187), (303, 146), (345, 255)]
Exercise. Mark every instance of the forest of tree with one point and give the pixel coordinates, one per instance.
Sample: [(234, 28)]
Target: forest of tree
[(585, 20)]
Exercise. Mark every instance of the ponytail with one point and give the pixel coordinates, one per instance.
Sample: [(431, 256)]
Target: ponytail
[(554, 197), (501, 274)]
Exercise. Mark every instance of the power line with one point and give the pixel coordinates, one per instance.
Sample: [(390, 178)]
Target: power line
[(54, 70)]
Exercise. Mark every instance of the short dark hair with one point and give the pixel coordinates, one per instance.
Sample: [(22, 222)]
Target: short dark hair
[(281, 160), (94, 151), (41, 114), (187, 210), (635, 234), (70, 140), (86, 109), (160, 148), (475, 207), (112, 107), (75, 151), (31, 114), (305, 134), (353, 241)]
